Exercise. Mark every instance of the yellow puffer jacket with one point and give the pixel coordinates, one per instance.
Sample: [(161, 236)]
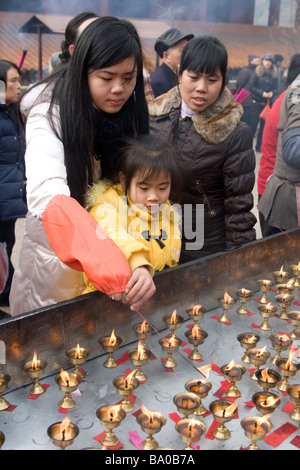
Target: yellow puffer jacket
[(144, 239)]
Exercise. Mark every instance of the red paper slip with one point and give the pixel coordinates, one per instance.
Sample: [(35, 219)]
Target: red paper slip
[(281, 434), (296, 442)]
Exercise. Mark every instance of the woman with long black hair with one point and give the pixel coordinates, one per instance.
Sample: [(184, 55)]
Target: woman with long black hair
[(75, 122)]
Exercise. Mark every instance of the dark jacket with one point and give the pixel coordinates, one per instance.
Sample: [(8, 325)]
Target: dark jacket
[(243, 81), (217, 164), (12, 167), (162, 80), (264, 80)]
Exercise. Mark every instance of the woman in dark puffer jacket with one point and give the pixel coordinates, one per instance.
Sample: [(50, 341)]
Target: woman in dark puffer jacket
[(12, 165), (215, 151)]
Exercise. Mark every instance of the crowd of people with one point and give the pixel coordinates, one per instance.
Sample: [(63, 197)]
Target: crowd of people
[(128, 169)]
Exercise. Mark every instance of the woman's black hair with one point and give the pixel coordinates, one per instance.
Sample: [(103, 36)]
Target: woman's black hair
[(149, 155), (5, 65), (71, 33), (84, 130), (204, 54)]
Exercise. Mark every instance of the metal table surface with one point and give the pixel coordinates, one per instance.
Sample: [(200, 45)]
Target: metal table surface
[(26, 426)]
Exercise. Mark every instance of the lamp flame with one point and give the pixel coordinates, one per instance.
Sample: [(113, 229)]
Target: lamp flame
[(63, 427), (113, 411), (140, 351), (128, 379), (196, 332), (227, 298), (112, 339), (230, 410), (173, 319), (281, 271), (265, 376), (289, 361), (34, 361), (172, 341), (77, 353), (196, 309), (191, 426), (65, 377), (250, 339), (143, 326), (148, 413), (270, 401), (261, 351), (230, 366)]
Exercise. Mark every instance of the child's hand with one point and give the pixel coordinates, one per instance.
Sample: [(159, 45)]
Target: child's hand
[(140, 288)]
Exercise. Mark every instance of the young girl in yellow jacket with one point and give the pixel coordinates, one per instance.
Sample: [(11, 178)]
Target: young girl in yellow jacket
[(136, 213)]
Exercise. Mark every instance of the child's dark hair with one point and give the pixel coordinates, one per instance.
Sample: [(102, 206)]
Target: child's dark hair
[(204, 54), (150, 155)]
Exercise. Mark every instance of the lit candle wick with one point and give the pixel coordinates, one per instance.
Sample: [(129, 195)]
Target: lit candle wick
[(255, 426), (63, 435)]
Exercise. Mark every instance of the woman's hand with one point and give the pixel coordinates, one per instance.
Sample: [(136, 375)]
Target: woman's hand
[(139, 289)]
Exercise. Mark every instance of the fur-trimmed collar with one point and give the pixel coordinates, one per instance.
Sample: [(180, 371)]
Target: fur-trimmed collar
[(215, 124), (260, 70)]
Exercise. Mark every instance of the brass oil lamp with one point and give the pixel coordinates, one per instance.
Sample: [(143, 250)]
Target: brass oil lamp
[(248, 341), (67, 383), (264, 286), (151, 423), (201, 388), (190, 431), (294, 393), (267, 378), (78, 356), (255, 429), (233, 373), (223, 412), (4, 379), (126, 386), (196, 336), (280, 342), (139, 357), (110, 418), (143, 331), (244, 296), (169, 345), (257, 357), (267, 311), (35, 369), (226, 303), (110, 344), (63, 433)]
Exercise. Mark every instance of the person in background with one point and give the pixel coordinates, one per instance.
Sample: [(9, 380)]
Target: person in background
[(169, 47), (214, 149), (279, 176), (73, 29), (243, 81), (263, 87), (136, 213), (12, 168), (72, 129), (278, 62)]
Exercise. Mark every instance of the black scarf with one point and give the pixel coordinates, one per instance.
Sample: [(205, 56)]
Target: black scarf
[(110, 132)]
